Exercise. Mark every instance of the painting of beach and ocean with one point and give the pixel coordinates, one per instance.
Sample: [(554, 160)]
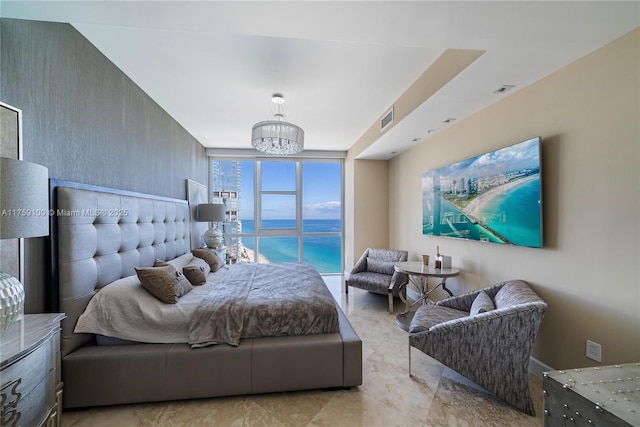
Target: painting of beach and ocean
[(494, 197)]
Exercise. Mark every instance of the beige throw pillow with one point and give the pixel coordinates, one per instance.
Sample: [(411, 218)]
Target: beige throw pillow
[(210, 256), (196, 271), (163, 283), (184, 282)]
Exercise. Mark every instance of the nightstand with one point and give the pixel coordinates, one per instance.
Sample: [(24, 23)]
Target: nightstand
[(30, 381)]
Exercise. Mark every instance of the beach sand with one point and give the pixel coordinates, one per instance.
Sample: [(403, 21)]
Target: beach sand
[(252, 255), (476, 206)]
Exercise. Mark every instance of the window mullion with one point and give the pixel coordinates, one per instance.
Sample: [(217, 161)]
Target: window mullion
[(299, 207)]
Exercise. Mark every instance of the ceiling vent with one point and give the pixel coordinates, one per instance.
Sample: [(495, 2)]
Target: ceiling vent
[(386, 120), (504, 88)]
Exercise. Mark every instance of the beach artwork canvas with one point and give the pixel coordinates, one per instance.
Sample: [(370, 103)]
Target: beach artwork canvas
[(494, 197)]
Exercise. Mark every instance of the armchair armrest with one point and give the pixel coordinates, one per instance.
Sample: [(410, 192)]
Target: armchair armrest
[(361, 265), (397, 279), (489, 333)]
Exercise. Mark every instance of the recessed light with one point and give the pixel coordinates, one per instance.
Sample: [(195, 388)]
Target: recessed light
[(449, 120), (415, 140)]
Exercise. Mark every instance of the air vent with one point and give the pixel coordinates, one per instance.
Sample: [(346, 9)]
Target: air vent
[(503, 88), (386, 120)]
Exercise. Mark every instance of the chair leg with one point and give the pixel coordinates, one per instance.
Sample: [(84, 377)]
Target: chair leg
[(390, 302)]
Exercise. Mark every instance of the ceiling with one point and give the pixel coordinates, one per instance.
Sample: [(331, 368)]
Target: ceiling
[(214, 65)]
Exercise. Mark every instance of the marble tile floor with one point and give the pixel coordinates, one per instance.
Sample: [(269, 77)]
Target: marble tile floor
[(434, 396)]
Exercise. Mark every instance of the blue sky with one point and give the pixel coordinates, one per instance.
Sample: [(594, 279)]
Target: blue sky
[(321, 183)]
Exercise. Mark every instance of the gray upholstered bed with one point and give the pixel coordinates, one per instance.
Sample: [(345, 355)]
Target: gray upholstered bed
[(98, 236)]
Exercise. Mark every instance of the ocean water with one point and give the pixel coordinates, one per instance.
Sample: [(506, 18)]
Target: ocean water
[(323, 252), (514, 215)]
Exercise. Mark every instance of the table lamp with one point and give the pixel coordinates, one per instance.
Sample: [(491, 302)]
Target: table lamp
[(212, 212), (24, 212)]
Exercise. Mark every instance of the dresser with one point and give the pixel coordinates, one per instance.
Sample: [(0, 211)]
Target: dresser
[(30, 382), (605, 396)]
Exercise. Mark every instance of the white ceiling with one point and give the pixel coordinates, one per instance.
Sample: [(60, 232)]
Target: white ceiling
[(214, 65)]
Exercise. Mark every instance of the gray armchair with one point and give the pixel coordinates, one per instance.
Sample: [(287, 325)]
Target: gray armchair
[(490, 346), (374, 272)]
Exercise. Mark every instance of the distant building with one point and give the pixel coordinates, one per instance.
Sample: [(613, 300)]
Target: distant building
[(225, 188)]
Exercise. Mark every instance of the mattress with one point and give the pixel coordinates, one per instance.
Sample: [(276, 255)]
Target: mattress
[(280, 299)]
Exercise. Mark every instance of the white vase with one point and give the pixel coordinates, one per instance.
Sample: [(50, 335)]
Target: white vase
[(11, 299)]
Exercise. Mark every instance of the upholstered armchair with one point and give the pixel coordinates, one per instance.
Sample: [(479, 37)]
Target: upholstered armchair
[(486, 335), (374, 272)]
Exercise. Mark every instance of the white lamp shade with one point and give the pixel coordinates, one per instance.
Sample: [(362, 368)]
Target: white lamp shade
[(24, 199), (211, 212)]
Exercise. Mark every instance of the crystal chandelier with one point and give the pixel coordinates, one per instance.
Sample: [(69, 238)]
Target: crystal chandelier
[(277, 137)]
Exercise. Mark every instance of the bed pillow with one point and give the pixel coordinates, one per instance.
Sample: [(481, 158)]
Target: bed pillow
[(481, 304), (210, 256), (163, 283), (180, 261), (178, 264), (379, 266), (196, 271)]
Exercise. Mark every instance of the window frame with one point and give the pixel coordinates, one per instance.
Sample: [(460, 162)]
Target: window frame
[(298, 231)]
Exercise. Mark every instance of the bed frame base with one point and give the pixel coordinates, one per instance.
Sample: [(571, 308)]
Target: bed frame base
[(97, 376), (86, 257)]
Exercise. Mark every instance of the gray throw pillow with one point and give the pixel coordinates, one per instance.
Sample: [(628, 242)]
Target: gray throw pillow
[(481, 304), (163, 283)]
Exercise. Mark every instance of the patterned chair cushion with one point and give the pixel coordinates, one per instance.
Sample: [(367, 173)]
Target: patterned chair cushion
[(379, 266), (430, 315)]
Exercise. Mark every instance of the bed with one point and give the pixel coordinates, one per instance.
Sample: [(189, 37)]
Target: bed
[(99, 237)]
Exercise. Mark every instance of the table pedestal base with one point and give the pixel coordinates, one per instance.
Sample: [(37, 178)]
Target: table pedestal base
[(404, 320)]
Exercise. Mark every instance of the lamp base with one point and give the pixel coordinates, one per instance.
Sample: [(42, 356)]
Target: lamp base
[(213, 238), (11, 299)]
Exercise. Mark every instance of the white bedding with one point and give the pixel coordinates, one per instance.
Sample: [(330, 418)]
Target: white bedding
[(115, 308)]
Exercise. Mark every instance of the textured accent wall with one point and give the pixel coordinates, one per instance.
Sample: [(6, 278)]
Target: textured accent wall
[(86, 121)]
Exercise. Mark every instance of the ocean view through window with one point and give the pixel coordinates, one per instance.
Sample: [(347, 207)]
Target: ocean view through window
[(281, 210)]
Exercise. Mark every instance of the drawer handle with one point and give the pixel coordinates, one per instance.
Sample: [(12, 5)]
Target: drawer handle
[(9, 398)]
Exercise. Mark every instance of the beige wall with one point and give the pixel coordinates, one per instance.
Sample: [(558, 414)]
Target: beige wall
[(367, 199), (588, 116)]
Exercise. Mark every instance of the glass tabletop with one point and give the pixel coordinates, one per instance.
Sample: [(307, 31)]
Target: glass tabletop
[(417, 268)]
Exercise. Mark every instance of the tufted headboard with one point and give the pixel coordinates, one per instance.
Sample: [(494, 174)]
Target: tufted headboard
[(99, 235)]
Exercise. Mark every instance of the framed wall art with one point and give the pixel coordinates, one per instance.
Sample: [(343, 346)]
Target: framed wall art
[(495, 197), (11, 250)]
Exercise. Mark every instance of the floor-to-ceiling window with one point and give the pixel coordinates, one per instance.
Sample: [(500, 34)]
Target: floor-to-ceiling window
[(281, 210)]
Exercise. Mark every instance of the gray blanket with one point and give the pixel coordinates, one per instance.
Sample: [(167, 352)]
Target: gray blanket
[(261, 300)]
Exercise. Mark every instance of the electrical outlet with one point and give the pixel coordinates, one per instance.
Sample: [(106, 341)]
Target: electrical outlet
[(594, 351)]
